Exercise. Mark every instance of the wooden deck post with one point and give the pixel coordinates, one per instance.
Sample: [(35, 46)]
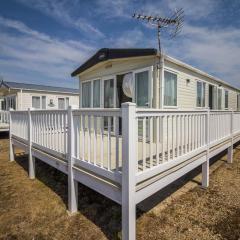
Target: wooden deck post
[(72, 183), (128, 171), (205, 165), (31, 159), (230, 149), (11, 147)]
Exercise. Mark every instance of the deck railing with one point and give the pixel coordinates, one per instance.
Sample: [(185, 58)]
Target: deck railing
[(160, 136), (4, 116), (164, 136), (126, 154)]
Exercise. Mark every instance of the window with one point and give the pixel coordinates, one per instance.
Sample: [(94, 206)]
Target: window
[(201, 86), (61, 103), (226, 99), (142, 89), (170, 89), (96, 93), (219, 99), (36, 102), (67, 102), (108, 93), (86, 94), (238, 102), (44, 102)]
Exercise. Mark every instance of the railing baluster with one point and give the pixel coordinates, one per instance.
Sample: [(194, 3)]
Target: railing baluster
[(95, 140), (162, 138), (144, 143), (157, 139), (109, 144), (117, 142), (151, 140)]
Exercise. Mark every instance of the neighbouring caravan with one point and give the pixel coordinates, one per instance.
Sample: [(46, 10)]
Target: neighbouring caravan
[(21, 96), (169, 84)]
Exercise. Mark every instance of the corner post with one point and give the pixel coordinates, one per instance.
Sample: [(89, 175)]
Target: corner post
[(205, 165), (230, 148), (31, 159), (11, 147), (128, 171), (72, 184)]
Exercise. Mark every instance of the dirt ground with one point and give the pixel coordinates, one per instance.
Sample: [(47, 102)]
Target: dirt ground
[(36, 209)]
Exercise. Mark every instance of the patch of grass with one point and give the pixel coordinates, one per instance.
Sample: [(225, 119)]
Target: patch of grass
[(36, 209)]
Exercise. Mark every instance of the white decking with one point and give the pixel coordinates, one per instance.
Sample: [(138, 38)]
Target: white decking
[(4, 121), (126, 154)]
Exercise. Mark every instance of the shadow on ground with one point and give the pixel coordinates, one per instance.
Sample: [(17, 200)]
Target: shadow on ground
[(98, 209)]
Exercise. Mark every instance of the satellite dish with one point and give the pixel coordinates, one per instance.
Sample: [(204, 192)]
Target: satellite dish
[(127, 85)]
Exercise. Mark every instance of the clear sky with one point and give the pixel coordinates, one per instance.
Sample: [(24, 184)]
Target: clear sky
[(43, 41)]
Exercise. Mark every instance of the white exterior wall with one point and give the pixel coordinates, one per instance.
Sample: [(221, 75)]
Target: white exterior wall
[(187, 91), (27, 99)]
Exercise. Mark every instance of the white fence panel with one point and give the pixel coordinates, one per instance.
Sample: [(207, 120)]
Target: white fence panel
[(220, 125), (236, 122), (49, 129), (164, 136), (4, 117), (97, 137), (19, 125)]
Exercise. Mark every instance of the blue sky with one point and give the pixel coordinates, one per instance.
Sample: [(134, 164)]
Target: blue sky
[(43, 41)]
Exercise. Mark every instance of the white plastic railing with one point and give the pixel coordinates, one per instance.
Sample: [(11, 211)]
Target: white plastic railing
[(19, 124), (236, 122), (220, 125), (49, 129), (96, 134), (4, 116), (164, 136)]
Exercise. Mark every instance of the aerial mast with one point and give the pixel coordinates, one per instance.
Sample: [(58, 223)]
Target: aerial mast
[(174, 24)]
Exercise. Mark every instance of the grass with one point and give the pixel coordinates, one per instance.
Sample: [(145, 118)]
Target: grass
[(36, 209)]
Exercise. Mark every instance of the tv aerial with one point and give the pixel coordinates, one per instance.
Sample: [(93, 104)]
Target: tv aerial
[(174, 23)]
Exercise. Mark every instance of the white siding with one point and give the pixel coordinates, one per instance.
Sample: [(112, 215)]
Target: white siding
[(187, 91), (27, 99)]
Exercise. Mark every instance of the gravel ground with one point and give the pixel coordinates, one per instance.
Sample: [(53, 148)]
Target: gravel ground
[(36, 209)]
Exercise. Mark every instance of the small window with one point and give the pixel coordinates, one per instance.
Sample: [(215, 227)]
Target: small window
[(226, 99), (36, 102), (67, 102), (86, 95), (201, 86), (96, 93), (61, 103), (219, 99), (142, 89), (238, 102), (170, 89), (44, 102)]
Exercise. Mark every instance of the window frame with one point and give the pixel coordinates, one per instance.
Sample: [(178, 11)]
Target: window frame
[(150, 85), (163, 89), (42, 102), (34, 96), (91, 90), (103, 79), (203, 93), (64, 102), (100, 92), (226, 91), (220, 89)]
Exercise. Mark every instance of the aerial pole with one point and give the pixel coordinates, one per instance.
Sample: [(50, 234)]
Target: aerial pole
[(174, 23)]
